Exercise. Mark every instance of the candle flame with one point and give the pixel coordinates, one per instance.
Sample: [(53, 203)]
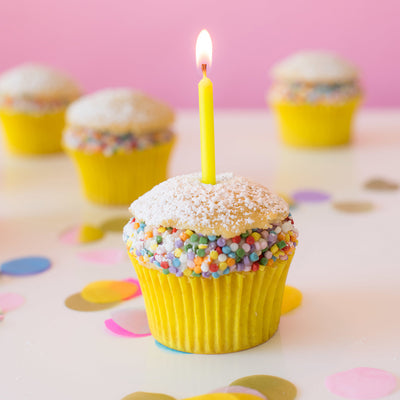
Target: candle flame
[(203, 48)]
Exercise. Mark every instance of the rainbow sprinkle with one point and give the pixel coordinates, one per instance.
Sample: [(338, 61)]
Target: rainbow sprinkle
[(94, 141), (185, 252), (309, 93)]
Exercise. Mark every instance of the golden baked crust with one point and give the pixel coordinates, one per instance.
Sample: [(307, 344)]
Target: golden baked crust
[(120, 111), (230, 207)]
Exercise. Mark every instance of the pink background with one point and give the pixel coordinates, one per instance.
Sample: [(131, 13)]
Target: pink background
[(151, 44)]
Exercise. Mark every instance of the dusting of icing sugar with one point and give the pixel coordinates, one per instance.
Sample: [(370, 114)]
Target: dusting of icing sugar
[(37, 81), (314, 66), (120, 110), (228, 208)]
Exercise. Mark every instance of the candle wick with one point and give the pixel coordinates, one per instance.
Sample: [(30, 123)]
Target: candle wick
[(204, 69)]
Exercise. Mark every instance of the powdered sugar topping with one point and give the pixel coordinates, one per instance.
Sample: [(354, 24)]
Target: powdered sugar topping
[(37, 81), (119, 111), (315, 66), (228, 208)]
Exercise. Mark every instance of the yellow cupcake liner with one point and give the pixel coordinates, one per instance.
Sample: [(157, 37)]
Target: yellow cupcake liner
[(210, 316), (33, 133), (123, 177), (315, 125)]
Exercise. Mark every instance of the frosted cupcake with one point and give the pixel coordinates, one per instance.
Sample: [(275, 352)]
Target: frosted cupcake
[(212, 261), (315, 95), (120, 141), (33, 99)]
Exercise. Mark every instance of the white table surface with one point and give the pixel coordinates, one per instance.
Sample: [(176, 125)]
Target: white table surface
[(346, 265)]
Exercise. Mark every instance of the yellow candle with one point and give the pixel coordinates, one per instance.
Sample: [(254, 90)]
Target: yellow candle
[(206, 110)]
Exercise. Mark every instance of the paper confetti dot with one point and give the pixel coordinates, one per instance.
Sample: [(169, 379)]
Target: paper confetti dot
[(88, 233), (10, 301), (77, 303), (239, 389), (147, 396), (379, 184), (353, 206), (133, 320), (117, 330), (310, 196), (108, 291), (291, 299), (81, 234), (103, 256), (115, 224), (139, 290), (362, 383), (225, 396), (273, 387), (161, 346), (25, 266)]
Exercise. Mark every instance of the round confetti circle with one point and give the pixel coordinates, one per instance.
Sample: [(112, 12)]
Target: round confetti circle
[(10, 301), (291, 299), (108, 291), (272, 387), (310, 196), (147, 396), (77, 303), (25, 266), (133, 320), (239, 389), (362, 383), (353, 206)]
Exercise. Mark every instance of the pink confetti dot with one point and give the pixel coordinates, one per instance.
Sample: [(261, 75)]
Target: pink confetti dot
[(10, 301), (129, 322), (362, 383)]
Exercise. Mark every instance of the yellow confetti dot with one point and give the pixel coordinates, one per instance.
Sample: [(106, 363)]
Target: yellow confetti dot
[(291, 299), (88, 233), (108, 291), (226, 396)]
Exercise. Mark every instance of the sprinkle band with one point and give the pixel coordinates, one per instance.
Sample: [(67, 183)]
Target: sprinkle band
[(94, 141), (185, 252)]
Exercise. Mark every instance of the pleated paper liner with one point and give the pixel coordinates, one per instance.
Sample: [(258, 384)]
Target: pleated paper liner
[(123, 177), (32, 133), (210, 316), (308, 125)]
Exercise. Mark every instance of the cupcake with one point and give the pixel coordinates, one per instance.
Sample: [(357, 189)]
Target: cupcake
[(212, 261), (120, 141), (33, 100), (315, 95)]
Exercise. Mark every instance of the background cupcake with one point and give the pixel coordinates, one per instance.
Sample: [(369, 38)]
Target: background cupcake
[(212, 261), (33, 99), (314, 95), (120, 141)]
